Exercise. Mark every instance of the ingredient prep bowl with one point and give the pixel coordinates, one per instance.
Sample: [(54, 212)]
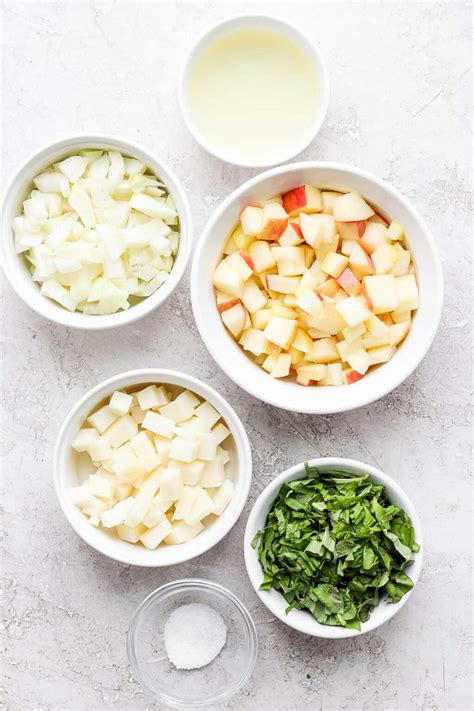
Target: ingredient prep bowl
[(15, 265), (313, 61), (388, 202), (211, 684), (70, 470), (302, 620)]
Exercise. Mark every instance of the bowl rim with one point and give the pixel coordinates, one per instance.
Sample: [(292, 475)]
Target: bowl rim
[(167, 376), (254, 570), (75, 319), (180, 585), (366, 395), (317, 60)]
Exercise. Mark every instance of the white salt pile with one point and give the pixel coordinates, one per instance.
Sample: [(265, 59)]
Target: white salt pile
[(194, 635)]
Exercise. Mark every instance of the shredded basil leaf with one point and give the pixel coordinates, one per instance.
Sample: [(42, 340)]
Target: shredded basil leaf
[(333, 544)]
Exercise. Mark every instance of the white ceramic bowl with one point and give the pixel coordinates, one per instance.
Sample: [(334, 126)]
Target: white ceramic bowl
[(285, 394), (302, 620), (271, 24), (15, 266), (70, 470)]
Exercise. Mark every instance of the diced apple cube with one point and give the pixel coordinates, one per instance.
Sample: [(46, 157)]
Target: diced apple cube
[(381, 293), (241, 263), (280, 331), (306, 374), (282, 366), (324, 351), (327, 319), (334, 264), (275, 221), (379, 355), (375, 235), (328, 198), (375, 341), (261, 256), (351, 207), (333, 376), (251, 219), (309, 303), (152, 537), (402, 263), (352, 311), (120, 403), (282, 284), (407, 293), (55, 291), (241, 239), (234, 319), (400, 316), (158, 424), (359, 360), (351, 231), (345, 348), (302, 199), (228, 279), (254, 341), (253, 298), (302, 341), (398, 332), (81, 495), (395, 231), (360, 262), (376, 327), (350, 333), (351, 376), (152, 397), (292, 236), (182, 532), (384, 258), (349, 282)]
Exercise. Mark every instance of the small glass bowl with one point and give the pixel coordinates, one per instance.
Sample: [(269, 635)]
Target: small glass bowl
[(196, 688)]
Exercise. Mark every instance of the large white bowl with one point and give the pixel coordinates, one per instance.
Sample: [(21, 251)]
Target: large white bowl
[(15, 265), (70, 470), (299, 619), (285, 394), (271, 24)]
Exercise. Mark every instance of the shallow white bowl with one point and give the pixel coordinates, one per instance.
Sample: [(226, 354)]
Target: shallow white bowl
[(271, 24), (68, 470), (285, 394), (299, 619), (15, 266)]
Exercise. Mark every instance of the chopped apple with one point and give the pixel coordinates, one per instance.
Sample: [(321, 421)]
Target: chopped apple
[(352, 311), (380, 355), (282, 366), (306, 374), (359, 360), (381, 293), (351, 231), (317, 229), (302, 199), (261, 256), (398, 332), (402, 263), (253, 298), (287, 268), (374, 236), (241, 263), (400, 316), (327, 319), (290, 254), (333, 375), (360, 262), (349, 282), (324, 351), (376, 327), (407, 293), (384, 258), (228, 279), (280, 331), (352, 376), (328, 198), (351, 207), (334, 264), (350, 333), (329, 288), (275, 222), (282, 284), (395, 231), (292, 236), (309, 302), (234, 319), (227, 304), (254, 341)]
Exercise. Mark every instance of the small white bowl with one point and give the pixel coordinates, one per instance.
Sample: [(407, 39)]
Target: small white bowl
[(271, 24), (300, 619), (231, 357), (15, 266), (69, 471)]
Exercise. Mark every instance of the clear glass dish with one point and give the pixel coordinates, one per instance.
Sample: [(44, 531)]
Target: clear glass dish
[(197, 688)]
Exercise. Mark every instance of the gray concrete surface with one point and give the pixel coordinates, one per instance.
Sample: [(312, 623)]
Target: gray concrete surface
[(400, 78)]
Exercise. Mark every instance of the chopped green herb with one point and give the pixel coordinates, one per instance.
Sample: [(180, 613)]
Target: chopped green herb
[(333, 544)]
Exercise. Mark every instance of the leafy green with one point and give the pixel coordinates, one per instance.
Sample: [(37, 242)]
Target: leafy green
[(333, 544)]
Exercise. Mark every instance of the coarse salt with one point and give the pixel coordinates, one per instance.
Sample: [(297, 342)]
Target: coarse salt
[(194, 635)]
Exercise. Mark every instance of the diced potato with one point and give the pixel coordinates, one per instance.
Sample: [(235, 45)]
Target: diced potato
[(132, 535), (152, 537), (117, 514), (223, 497), (184, 450), (102, 418), (182, 532), (201, 508), (120, 403), (171, 483), (159, 424), (84, 439), (192, 472), (207, 414), (152, 397), (185, 503), (181, 408)]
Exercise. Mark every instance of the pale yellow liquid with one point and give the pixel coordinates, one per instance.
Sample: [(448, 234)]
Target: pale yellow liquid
[(253, 95)]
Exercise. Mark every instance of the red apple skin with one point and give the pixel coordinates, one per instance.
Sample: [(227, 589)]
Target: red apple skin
[(353, 377), (273, 230), (297, 229), (360, 227), (224, 305), (247, 258), (319, 296), (349, 282), (294, 199)]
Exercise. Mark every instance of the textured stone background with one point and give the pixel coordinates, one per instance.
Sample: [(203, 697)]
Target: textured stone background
[(400, 78)]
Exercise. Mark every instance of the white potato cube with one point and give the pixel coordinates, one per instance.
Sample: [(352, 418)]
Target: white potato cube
[(191, 429), (138, 414), (171, 483), (102, 418), (182, 532), (162, 503), (129, 534), (184, 450), (95, 506), (207, 446), (117, 514), (128, 468), (101, 487), (120, 403), (207, 414), (100, 450), (121, 431), (81, 495), (58, 293), (220, 433), (154, 536), (213, 474), (142, 446), (152, 396), (158, 424), (185, 503), (123, 491), (153, 516), (84, 439), (191, 472), (182, 408), (137, 512), (162, 446), (223, 497), (202, 507)]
